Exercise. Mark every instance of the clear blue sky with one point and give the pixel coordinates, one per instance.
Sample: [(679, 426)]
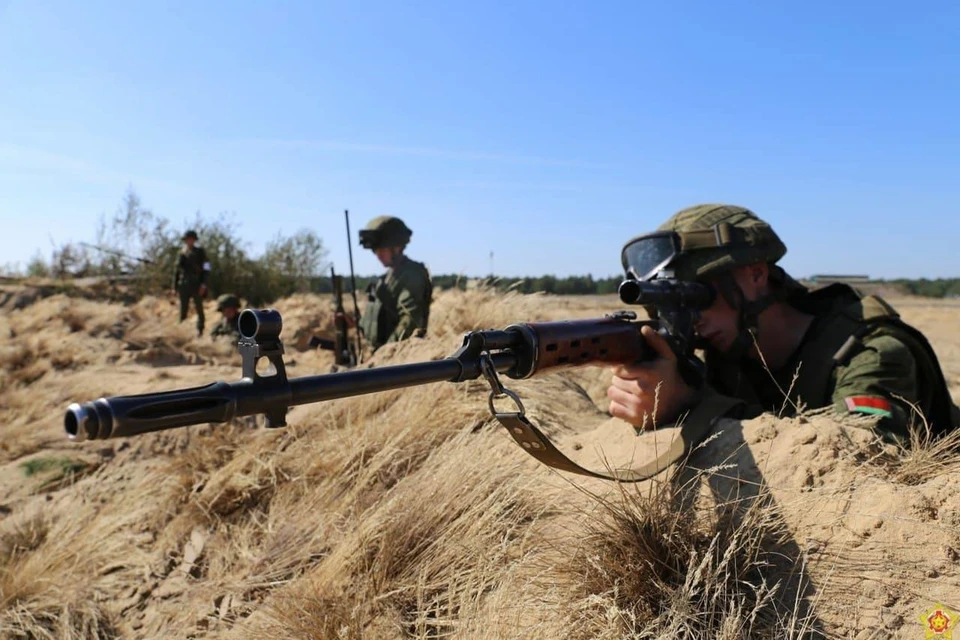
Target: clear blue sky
[(547, 133)]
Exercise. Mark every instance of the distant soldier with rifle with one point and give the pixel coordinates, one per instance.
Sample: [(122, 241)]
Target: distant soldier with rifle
[(229, 306), (190, 277), (769, 342), (399, 301)]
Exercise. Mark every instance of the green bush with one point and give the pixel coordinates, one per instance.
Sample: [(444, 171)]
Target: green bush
[(142, 247)]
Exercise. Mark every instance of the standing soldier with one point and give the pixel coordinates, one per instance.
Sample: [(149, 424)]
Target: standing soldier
[(190, 277), (228, 305), (399, 301)]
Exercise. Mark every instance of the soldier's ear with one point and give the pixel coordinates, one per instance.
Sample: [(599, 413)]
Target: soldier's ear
[(759, 275)]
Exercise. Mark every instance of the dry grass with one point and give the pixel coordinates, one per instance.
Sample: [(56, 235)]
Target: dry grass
[(422, 558), (649, 569), (47, 576), (404, 514), (921, 459)]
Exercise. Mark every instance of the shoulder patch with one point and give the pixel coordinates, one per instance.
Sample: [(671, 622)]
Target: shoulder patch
[(869, 404)]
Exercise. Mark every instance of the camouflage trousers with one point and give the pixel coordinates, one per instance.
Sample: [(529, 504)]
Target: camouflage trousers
[(185, 296)]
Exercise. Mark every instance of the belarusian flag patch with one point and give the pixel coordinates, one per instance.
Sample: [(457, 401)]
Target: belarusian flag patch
[(869, 404)]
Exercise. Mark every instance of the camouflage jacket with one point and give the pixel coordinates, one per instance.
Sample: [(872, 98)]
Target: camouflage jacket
[(192, 267), (858, 356), (398, 304)]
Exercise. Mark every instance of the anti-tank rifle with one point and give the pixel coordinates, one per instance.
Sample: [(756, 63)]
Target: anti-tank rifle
[(519, 351)]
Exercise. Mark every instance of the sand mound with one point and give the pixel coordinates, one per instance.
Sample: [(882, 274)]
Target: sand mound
[(411, 514)]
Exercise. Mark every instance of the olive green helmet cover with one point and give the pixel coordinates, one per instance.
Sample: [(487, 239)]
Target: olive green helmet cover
[(748, 240), (385, 231), (227, 300)]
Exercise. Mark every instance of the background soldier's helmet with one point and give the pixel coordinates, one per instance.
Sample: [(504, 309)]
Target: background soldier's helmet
[(385, 231), (742, 239), (227, 300), (190, 234)]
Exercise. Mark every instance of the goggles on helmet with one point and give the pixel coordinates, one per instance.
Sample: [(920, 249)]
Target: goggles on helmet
[(645, 256), (370, 238)]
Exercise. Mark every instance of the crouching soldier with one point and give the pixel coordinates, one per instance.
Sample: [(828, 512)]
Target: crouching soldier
[(229, 307)]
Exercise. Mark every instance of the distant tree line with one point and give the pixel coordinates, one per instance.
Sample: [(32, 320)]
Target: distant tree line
[(142, 247), (938, 288)]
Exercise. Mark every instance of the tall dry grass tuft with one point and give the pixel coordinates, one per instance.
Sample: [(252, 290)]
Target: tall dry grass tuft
[(420, 560), (49, 572), (648, 569), (922, 456)]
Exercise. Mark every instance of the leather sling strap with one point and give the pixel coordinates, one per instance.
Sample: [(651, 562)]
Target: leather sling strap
[(694, 428)]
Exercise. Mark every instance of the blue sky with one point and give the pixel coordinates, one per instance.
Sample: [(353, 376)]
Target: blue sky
[(547, 134)]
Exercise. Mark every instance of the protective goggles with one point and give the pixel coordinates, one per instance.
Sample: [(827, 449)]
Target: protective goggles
[(645, 256), (369, 238)]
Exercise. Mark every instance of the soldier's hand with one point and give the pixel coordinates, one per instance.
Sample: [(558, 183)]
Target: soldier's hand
[(651, 393)]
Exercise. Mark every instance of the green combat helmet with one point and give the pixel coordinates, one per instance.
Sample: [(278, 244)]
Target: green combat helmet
[(227, 300), (705, 242), (385, 231)]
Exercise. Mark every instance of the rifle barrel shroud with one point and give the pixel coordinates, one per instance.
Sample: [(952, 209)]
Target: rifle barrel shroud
[(519, 351)]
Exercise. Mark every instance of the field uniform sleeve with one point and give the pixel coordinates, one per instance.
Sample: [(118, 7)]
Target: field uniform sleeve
[(409, 291), (177, 271), (204, 266), (881, 379)]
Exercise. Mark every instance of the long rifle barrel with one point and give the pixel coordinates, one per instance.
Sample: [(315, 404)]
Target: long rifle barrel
[(124, 416), (518, 351)]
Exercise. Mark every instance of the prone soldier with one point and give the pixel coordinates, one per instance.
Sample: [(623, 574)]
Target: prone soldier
[(771, 344), (229, 307)]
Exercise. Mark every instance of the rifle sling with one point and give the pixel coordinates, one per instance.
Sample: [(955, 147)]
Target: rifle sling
[(694, 428)]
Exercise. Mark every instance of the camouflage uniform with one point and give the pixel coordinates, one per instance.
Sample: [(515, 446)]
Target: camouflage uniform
[(399, 301), (858, 356), (227, 327), (190, 273)]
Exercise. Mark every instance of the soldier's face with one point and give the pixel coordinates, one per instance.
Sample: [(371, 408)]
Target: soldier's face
[(189, 242), (719, 325), (230, 312), (385, 255)]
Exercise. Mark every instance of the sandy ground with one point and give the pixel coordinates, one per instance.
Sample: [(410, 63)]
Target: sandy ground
[(410, 513)]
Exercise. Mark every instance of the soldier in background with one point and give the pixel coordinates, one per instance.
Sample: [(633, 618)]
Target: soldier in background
[(399, 301), (229, 306), (190, 277)]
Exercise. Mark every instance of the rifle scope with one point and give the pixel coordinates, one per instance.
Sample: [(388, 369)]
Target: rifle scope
[(667, 293)]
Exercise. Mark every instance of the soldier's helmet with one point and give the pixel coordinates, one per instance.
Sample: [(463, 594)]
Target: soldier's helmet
[(227, 300), (704, 240), (190, 234), (385, 231)]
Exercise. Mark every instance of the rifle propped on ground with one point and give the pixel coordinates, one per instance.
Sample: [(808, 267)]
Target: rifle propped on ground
[(344, 352), (519, 351)]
